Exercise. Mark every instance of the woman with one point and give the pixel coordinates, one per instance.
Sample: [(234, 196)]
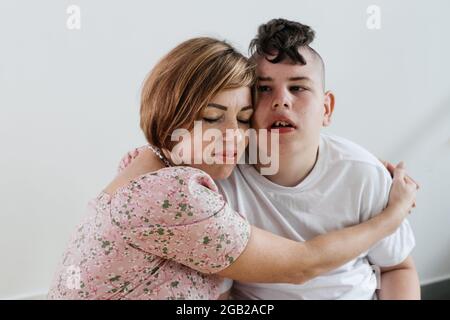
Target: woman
[(161, 231)]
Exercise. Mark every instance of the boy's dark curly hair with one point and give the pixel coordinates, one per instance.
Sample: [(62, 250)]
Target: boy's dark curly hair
[(283, 37)]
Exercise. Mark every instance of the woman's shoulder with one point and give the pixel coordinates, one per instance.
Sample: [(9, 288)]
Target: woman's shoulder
[(168, 172), (176, 182), (170, 195)]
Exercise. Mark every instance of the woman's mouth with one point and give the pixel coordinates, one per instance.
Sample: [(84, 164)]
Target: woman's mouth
[(228, 154)]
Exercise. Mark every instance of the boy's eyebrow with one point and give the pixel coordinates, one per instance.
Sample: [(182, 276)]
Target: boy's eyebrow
[(298, 78), (222, 107)]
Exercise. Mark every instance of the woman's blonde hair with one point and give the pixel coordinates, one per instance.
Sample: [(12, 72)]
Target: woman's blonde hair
[(185, 81)]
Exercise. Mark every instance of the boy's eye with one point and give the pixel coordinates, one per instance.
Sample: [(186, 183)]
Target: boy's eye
[(244, 121), (263, 88), (296, 88)]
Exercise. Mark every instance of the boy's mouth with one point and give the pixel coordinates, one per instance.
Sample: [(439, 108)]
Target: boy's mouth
[(282, 126)]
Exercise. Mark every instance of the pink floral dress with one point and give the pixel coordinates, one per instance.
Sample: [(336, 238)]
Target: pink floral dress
[(162, 236)]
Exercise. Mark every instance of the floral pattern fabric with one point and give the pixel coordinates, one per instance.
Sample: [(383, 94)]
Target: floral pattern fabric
[(164, 235)]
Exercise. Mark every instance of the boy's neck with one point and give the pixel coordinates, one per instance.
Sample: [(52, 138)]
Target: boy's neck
[(294, 166)]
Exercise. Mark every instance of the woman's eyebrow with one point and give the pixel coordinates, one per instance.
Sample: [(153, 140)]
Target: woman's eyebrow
[(222, 107), (218, 106), (246, 108)]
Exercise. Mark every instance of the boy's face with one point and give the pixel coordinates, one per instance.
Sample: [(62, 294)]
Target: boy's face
[(292, 93)]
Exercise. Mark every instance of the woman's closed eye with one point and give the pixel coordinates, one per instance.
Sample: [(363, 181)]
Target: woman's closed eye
[(211, 120), (245, 121), (213, 116), (245, 115)]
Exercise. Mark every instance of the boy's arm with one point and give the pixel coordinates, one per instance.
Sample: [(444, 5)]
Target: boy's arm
[(400, 282)]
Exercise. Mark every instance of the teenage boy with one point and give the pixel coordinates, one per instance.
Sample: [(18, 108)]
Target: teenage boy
[(323, 183)]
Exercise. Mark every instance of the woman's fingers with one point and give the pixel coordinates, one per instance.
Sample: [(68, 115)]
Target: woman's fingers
[(409, 180), (399, 171), (413, 181), (389, 166)]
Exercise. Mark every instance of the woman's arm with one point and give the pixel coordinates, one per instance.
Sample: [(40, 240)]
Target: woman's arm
[(270, 258)]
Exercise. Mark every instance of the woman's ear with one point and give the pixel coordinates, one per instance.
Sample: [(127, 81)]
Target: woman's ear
[(328, 108)]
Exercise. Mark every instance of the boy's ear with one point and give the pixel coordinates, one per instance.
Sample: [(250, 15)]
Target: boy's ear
[(328, 108)]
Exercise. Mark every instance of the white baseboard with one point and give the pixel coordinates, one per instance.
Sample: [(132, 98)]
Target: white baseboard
[(42, 295), (39, 295), (434, 280)]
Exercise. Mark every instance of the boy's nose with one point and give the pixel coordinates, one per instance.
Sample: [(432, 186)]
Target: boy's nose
[(281, 101), (277, 104)]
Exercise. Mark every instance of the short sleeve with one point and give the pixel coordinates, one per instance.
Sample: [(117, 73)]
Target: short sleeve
[(177, 213), (395, 248)]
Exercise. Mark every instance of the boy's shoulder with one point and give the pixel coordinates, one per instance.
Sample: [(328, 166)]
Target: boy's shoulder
[(345, 153)]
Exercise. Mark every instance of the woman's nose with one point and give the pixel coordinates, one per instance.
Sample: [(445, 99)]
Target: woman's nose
[(232, 132)]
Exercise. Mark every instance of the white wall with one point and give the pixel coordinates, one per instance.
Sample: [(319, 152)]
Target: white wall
[(69, 105)]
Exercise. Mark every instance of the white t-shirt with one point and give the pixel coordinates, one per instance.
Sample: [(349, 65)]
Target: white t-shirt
[(347, 185)]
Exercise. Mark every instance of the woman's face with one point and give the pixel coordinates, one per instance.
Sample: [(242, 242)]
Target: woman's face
[(218, 139)]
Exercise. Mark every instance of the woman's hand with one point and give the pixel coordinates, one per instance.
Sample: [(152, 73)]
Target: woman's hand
[(402, 197), (390, 167)]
